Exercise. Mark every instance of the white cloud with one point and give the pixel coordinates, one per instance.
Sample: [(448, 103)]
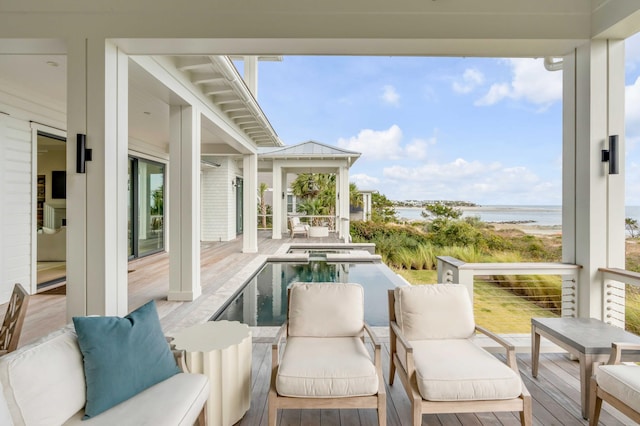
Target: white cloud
[(530, 82), (417, 149), (471, 78), (632, 52), (490, 183), (364, 181), (386, 145), (375, 144), (390, 96)]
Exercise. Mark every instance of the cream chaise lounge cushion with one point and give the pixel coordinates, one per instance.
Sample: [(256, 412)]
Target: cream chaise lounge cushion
[(459, 370), (438, 322), (324, 355), (176, 401), (621, 381), (311, 302), (339, 367), (52, 362), (420, 311)]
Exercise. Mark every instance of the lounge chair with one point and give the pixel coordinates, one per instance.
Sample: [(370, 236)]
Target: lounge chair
[(441, 368), (298, 227), (617, 384), (325, 363)]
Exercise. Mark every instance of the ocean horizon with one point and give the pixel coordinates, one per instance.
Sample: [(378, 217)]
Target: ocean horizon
[(534, 215)]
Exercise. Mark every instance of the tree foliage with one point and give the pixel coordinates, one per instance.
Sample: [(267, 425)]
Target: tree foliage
[(632, 227), (262, 188), (441, 210), (382, 209)]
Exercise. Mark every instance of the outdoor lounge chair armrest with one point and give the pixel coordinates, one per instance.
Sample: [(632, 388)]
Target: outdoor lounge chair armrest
[(400, 337), (618, 347), (275, 346), (377, 357), (178, 355), (374, 338), (511, 350)]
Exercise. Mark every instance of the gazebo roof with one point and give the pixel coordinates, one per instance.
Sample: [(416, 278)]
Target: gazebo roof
[(307, 150)]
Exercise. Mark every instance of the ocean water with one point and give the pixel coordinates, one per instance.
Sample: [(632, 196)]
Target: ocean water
[(535, 215)]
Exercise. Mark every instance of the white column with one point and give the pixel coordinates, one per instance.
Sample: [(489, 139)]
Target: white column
[(250, 215), (278, 188), (251, 74), (344, 203), (97, 106), (184, 205), (593, 200), (366, 206), (283, 202)]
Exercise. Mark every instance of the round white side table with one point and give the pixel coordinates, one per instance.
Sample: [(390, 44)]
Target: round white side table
[(221, 350)]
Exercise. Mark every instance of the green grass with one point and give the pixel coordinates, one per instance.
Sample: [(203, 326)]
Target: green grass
[(512, 315), (632, 309)]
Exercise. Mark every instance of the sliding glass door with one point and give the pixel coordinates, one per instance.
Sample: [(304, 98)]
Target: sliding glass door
[(146, 207)]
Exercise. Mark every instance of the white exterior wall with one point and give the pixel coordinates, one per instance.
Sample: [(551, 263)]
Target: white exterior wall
[(218, 201), (16, 198)]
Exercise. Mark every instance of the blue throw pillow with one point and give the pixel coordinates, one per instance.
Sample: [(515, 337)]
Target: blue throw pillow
[(122, 356)]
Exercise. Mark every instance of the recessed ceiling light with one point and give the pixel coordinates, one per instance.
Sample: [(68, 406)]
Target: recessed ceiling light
[(52, 63)]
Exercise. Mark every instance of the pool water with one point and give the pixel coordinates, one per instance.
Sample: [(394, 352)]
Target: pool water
[(263, 300)]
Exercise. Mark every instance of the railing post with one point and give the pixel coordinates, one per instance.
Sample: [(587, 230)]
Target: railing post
[(569, 297), (614, 303), (452, 271)]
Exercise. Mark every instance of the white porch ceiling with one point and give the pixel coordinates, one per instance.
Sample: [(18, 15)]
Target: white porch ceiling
[(43, 79)]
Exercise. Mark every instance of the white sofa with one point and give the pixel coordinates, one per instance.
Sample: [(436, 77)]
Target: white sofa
[(52, 245), (43, 384)]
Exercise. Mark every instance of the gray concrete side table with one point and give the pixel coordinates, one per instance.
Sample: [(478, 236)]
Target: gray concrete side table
[(587, 338)]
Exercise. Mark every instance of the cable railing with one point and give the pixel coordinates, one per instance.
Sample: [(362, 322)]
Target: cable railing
[(621, 298), (514, 292)]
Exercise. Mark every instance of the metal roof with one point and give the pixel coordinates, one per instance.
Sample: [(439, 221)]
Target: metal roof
[(309, 149)]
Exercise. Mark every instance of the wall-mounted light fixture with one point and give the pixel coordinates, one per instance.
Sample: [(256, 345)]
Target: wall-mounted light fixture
[(611, 155), (82, 153), (283, 195), (234, 183)]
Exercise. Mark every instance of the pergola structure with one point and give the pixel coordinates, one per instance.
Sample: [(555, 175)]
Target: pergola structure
[(105, 43), (308, 157)]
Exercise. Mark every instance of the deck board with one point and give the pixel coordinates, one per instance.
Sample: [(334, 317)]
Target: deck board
[(556, 391)]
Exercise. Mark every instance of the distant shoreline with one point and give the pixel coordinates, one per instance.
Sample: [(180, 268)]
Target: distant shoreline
[(534, 220)]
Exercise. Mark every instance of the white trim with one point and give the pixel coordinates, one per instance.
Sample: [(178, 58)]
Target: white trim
[(35, 129)]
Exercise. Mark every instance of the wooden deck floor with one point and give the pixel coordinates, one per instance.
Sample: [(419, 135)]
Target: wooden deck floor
[(224, 267), (555, 393)]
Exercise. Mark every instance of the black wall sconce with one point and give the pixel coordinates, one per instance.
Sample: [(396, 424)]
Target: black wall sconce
[(283, 195), (234, 183), (611, 155), (82, 153)]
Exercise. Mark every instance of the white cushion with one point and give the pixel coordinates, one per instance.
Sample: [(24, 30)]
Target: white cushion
[(459, 370), (326, 310), (176, 401), (621, 381), (326, 368), (43, 383), (437, 311)]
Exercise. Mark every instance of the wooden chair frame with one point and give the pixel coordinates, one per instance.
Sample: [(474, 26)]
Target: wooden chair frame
[(13, 319), (597, 394), (299, 228), (377, 401), (420, 406)]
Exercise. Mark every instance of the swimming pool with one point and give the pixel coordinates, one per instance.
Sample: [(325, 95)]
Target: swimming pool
[(262, 301)]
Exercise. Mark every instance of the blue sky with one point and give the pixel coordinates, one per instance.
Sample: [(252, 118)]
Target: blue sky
[(484, 130)]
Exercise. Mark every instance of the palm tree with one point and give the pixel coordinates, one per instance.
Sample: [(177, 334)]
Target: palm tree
[(355, 197), (262, 188)]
